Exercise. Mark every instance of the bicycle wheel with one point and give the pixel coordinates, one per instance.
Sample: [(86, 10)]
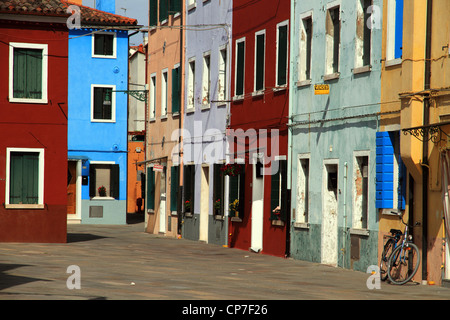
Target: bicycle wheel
[(387, 250), (403, 263)]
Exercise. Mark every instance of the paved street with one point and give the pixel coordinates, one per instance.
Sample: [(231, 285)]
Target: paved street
[(123, 262)]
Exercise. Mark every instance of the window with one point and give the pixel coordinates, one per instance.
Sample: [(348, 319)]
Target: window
[(236, 192), (219, 191), (260, 52), (191, 4), (104, 180), (174, 6), (163, 10), (150, 197), (24, 178), (176, 89), (360, 191), (240, 65), (164, 94), (390, 172), (104, 45), (206, 80), (103, 103), (152, 115), (363, 34), (333, 30), (189, 188), (191, 85), (278, 198), (282, 54), (153, 13), (306, 28), (28, 67), (222, 81), (174, 187), (303, 190), (394, 44)]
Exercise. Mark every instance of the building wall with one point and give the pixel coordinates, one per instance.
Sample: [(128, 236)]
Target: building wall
[(37, 126), (331, 130), (207, 119), (266, 109), (164, 53), (97, 141)]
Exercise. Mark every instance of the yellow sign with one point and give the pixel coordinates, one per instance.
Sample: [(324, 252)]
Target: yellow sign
[(321, 89)]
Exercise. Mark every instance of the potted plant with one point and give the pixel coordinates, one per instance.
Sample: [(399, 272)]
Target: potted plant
[(231, 169), (217, 207), (102, 191), (187, 206), (234, 208)]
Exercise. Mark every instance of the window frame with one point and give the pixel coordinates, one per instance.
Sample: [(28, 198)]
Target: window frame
[(222, 83), (41, 173), (164, 93), (302, 218), (190, 107), (360, 65), (206, 81), (330, 73), (359, 225), (279, 25), (152, 98), (392, 33), (113, 103), (101, 56), (22, 45), (111, 164)]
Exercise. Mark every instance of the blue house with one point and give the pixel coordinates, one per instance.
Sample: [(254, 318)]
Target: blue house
[(97, 116)]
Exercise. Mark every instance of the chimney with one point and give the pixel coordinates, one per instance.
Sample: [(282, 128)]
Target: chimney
[(106, 5), (77, 2)]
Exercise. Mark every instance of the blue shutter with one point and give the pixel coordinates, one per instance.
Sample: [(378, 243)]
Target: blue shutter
[(384, 171), (402, 172), (398, 28)]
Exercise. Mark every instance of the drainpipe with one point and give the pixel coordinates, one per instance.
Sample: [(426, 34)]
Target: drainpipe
[(344, 233), (180, 126), (426, 121)]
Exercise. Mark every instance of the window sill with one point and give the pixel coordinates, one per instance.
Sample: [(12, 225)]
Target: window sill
[(103, 198), (364, 69), (164, 117), (331, 76), (190, 110), (303, 83), (152, 120), (33, 101), (258, 93), (301, 225), (393, 62), (219, 217), (236, 219), (206, 107), (103, 121), (103, 57), (278, 223), (359, 232), (280, 88), (25, 206), (238, 98)]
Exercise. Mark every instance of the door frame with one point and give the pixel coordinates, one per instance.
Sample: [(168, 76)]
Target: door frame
[(204, 203), (76, 218), (257, 216)]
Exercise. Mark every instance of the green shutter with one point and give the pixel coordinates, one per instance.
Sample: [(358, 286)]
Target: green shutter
[(27, 73), (98, 103), (240, 68), (176, 90), (174, 186), (115, 181), (175, 6), (260, 52), (92, 180), (274, 189), (153, 12), (24, 178), (150, 189), (163, 10), (282, 55)]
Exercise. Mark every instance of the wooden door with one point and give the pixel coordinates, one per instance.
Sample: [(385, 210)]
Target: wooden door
[(72, 187)]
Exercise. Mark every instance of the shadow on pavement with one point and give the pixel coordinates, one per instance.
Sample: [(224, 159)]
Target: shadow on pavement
[(9, 280), (80, 237)]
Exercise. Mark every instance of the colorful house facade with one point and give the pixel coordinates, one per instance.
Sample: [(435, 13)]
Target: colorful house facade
[(257, 132), (97, 116), (164, 118), (33, 148), (207, 78), (335, 95)]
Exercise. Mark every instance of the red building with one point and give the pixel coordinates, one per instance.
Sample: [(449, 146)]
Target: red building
[(260, 106), (33, 125)]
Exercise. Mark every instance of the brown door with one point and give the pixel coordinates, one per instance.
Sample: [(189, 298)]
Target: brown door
[(72, 187)]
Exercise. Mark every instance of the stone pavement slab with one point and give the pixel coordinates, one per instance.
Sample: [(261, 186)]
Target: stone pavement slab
[(125, 263)]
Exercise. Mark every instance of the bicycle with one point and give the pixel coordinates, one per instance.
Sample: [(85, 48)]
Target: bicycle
[(404, 261), (389, 247)]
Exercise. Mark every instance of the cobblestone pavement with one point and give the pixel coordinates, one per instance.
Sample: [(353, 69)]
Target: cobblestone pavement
[(125, 263)]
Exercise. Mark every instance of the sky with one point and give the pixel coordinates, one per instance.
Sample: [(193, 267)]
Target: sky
[(136, 9)]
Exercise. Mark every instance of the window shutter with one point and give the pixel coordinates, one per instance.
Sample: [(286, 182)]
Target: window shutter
[(384, 171), (174, 187), (284, 191), (163, 10), (175, 6), (282, 55), (240, 68), (107, 109), (92, 179), (27, 73), (98, 103), (115, 181), (260, 52), (99, 44), (153, 12), (150, 189), (402, 172), (176, 90), (398, 51)]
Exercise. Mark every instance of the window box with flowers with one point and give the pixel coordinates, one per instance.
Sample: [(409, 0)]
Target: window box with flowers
[(231, 169), (187, 208)]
